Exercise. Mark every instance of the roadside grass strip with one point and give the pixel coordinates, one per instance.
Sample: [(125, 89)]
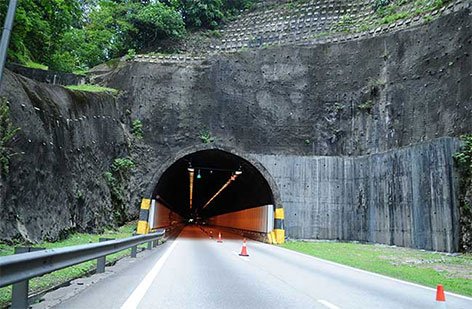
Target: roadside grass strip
[(64, 275), (453, 271)]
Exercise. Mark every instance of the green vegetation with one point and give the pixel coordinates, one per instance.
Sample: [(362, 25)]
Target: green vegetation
[(92, 88), (345, 24), (117, 179), (72, 35), (380, 3), (50, 280), (7, 133), (137, 129), (426, 268), (464, 157), (463, 160), (34, 65), (388, 12), (213, 33), (131, 54), (205, 137), (366, 106)]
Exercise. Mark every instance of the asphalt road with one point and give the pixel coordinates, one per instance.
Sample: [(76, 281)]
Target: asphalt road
[(194, 271)]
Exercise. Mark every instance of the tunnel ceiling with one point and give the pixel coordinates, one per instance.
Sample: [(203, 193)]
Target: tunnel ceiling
[(250, 189)]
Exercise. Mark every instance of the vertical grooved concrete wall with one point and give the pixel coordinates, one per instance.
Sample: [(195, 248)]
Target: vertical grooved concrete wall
[(402, 197)]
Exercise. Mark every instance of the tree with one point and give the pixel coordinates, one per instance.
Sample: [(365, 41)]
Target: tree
[(38, 23), (200, 13), (67, 35), (156, 21)]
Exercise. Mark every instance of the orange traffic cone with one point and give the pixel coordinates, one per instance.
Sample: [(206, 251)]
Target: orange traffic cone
[(244, 249), (440, 297), (219, 238)]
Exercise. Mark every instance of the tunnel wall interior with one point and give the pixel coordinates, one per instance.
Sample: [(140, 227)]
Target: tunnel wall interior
[(403, 197), (258, 219), (161, 216)]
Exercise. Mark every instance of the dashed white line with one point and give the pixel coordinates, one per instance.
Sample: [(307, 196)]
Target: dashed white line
[(327, 304), (135, 298)]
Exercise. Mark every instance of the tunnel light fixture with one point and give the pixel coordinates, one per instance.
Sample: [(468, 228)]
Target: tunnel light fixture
[(239, 172), (199, 176), (230, 180), (191, 175)]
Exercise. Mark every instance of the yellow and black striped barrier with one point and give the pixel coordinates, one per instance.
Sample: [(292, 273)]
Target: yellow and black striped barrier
[(279, 231), (143, 224)]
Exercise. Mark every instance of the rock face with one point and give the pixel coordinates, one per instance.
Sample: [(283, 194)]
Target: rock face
[(341, 110), (67, 140), (349, 98)]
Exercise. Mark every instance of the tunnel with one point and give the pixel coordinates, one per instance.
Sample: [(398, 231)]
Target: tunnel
[(222, 183)]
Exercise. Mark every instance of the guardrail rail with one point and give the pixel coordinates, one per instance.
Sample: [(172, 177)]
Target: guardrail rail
[(17, 269)]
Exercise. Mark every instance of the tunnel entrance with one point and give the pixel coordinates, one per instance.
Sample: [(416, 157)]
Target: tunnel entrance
[(219, 182)]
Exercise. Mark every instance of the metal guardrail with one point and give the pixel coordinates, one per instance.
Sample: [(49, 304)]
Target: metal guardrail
[(17, 269)]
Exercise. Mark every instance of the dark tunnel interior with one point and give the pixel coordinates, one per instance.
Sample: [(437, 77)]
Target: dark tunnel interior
[(212, 169)]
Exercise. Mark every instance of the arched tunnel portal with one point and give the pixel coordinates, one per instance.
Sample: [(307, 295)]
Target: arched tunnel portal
[(207, 183)]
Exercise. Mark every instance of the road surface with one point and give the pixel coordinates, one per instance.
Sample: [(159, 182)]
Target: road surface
[(194, 271)]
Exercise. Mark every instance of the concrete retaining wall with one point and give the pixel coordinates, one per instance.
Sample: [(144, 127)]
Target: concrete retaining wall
[(403, 197)]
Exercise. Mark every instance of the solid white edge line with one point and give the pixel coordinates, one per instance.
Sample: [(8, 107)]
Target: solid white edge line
[(327, 304), (135, 298), (371, 273)]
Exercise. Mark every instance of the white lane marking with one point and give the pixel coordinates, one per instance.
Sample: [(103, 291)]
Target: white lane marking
[(371, 273), (328, 304), (135, 298)]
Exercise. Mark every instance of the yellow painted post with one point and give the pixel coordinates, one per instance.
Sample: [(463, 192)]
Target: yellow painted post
[(279, 226), (143, 225)]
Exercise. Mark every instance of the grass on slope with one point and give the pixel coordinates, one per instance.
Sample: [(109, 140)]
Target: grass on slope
[(92, 88), (418, 266), (35, 65), (66, 274), (389, 14)]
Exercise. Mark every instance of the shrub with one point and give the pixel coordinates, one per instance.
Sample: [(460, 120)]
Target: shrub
[(137, 129), (117, 180), (205, 137), (380, 3), (464, 157)]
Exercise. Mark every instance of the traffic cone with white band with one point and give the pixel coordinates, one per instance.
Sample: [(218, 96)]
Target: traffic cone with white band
[(219, 238), (244, 249)]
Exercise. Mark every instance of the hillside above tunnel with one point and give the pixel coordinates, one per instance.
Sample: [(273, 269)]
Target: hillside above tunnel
[(300, 23), (353, 136)]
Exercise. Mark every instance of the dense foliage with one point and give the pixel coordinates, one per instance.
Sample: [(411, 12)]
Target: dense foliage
[(117, 179), (71, 35)]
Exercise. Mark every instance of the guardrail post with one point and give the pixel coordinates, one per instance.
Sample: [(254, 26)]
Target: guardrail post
[(134, 249), (19, 292), (101, 261), (149, 245)]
